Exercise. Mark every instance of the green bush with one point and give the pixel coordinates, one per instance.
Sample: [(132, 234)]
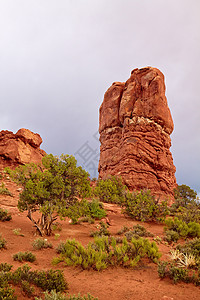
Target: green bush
[(85, 209), (23, 276), (53, 295), (4, 190), (104, 252), (177, 274), (4, 215), (46, 280), (24, 256), (2, 242), (192, 229), (102, 230), (135, 232), (191, 247), (110, 190), (27, 288), (40, 243), (5, 267), (142, 206), (7, 293), (166, 269), (171, 236)]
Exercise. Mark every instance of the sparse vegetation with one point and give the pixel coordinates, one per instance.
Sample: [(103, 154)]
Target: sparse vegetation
[(177, 273), (171, 236), (142, 206), (53, 295), (86, 211), (27, 279), (102, 230), (110, 190), (104, 252), (135, 232), (192, 229), (3, 242), (4, 190), (24, 256), (4, 215), (40, 243), (17, 231)]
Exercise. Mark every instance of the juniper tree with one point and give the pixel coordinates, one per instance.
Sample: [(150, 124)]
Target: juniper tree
[(50, 189)]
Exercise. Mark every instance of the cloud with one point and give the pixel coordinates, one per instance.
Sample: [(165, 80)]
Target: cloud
[(57, 59)]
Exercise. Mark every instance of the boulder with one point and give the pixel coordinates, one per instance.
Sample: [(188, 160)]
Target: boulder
[(20, 148)]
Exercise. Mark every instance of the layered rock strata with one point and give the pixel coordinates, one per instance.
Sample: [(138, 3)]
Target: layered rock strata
[(135, 124), (20, 148)]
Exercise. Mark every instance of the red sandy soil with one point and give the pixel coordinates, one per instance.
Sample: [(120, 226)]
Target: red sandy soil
[(115, 283)]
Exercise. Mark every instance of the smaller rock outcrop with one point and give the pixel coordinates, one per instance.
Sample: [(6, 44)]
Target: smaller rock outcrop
[(20, 148)]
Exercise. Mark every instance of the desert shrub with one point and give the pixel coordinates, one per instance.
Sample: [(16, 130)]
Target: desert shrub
[(24, 256), (192, 229), (191, 248), (171, 236), (57, 227), (17, 231), (25, 277), (27, 288), (50, 280), (102, 230), (2, 242), (46, 280), (135, 232), (53, 295), (40, 243), (79, 297), (142, 206), (4, 190), (177, 274), (7, 293), (4, 215), (110, 190), (85, 209), (5, 267), (167, 269), (103, 252)]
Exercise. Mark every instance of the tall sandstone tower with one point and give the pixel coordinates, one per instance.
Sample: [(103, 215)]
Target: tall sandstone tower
[(135, 124)]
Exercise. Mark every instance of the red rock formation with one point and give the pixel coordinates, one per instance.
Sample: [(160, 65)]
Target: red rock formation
[(20, 148), (135, 124)]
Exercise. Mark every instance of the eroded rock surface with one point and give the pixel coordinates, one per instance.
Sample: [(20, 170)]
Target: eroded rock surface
[(20, 148), (135, 124)]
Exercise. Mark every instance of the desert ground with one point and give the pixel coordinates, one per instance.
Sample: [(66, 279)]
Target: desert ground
[(141, 283)]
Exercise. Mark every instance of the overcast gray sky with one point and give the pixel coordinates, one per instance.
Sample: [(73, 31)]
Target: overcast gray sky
[(58, 57)]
